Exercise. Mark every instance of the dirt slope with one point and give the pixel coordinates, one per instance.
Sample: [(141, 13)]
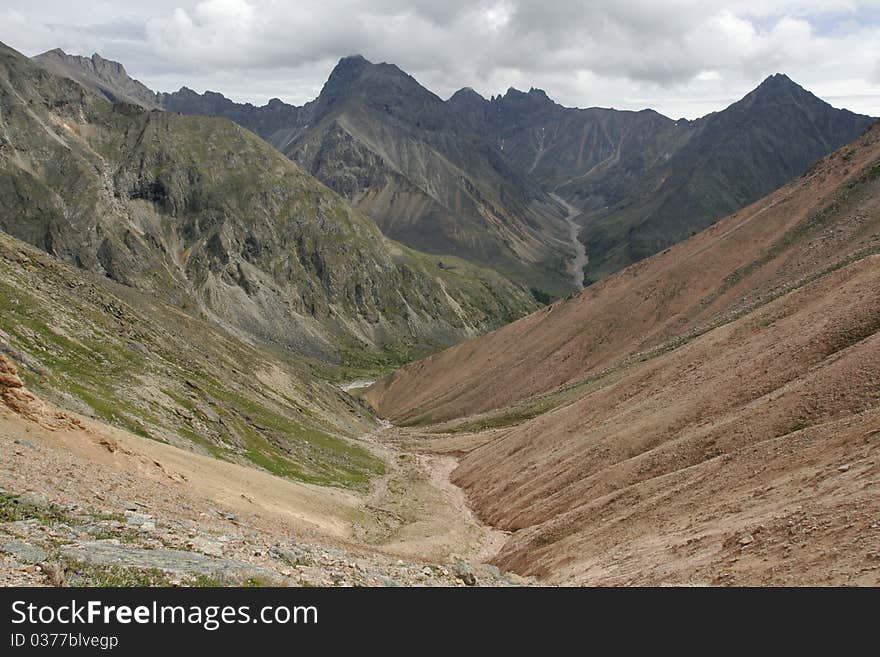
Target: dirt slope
[(711, 415), (75, 492), (825, 218)]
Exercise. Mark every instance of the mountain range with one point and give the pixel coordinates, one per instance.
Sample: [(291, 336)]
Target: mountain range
[(209, 217), (197, 297), (645, 182), (492, 180), (397, 152)]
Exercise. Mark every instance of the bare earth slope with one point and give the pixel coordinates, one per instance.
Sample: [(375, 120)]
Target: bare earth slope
[(710, 415), (823, 219), (85, 504)]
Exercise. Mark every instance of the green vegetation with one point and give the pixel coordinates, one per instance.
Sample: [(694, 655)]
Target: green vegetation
[(83, 574), (159, 375), (11, 510), (542, 297)]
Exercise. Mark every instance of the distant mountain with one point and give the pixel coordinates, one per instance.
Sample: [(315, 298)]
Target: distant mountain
[(103, 76), (400, 154), (645, 182), (272, 121), (473, 177), (201, 213)]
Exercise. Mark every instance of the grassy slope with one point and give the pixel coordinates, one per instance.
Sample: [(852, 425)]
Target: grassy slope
[(116, 354)]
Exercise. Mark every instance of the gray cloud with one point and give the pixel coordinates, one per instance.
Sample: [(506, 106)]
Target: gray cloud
[(683, 57)]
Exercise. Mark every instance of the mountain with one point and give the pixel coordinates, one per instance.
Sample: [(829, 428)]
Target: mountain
[(204, 215), (103, 76), (271, 121), (645, 182), (398, 153), (481, 179), (554, 144), (709, 414)]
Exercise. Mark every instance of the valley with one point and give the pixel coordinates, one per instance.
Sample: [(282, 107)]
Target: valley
[(388, 339), (707, 416), (102, 501)]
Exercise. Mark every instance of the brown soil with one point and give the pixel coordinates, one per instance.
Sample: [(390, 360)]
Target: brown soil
[(708, 416), (820, 220), (412, 520)]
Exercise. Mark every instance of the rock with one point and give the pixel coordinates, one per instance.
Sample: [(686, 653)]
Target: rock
[(55, 574), (748, 539), (33, 500), (494, 571), (134, 519), (130, 506), (105, 553), (14, 394), (148, 526), (292, 555), (844, 468), (24, 443), (206, 546), (465, 574), (25, 552), (207, 413)]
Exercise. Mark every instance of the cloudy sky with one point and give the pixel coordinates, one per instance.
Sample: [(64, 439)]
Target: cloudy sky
[(681, 57)]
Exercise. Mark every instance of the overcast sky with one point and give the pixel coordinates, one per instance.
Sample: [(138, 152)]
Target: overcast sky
[(680, 57)]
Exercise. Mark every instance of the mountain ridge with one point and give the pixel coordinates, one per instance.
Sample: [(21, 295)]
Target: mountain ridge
[(202, 213), (104, 76), (642, 180)]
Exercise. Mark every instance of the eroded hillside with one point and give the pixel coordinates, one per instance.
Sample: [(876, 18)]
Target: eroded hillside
[(708, 415)]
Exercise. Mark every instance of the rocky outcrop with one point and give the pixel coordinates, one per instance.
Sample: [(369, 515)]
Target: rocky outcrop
[(21, 401), (103, 76), (13, 393)]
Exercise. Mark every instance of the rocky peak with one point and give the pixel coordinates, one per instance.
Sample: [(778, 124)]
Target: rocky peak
[(345, 73), (467, 101), (467, 94), (97, 74), (778, 87)]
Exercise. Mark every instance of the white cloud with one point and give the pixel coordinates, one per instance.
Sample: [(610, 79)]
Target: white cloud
[(684, 57)]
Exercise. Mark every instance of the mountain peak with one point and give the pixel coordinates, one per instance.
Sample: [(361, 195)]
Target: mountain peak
[(466, 98), (346, 71), (350, 64), (778, 81), (533, 94), (467, 92), (777, 88), (55, 52)]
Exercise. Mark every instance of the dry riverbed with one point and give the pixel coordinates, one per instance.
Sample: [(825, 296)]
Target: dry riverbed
[(83, 503)]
